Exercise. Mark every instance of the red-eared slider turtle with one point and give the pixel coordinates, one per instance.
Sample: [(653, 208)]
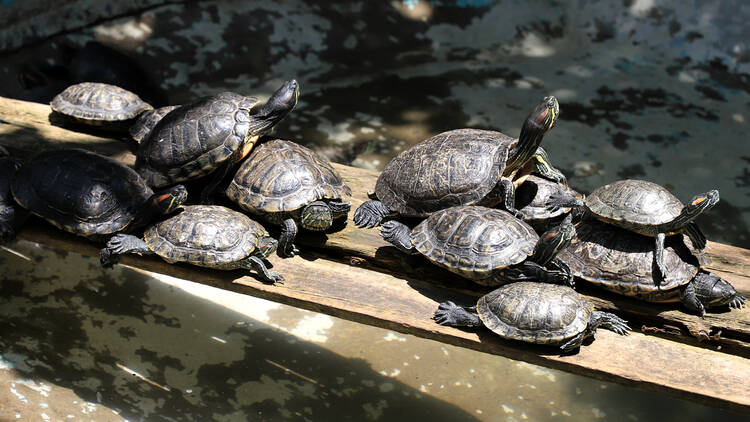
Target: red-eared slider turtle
[(488, 246), (11, 215), (461, 167), (205, 235), (210, 134), (646, 208), (146, 121), (531, 201), (89, 194), (98, 104), (533, 312), (288, 184), (622, 262)]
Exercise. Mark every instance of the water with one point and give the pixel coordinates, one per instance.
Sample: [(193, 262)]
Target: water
[(120, 345)]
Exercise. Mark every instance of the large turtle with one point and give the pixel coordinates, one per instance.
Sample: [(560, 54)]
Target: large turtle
[(147, 120), (531, 201), (621, 261), (646, 208), (11, 214), (462, 167), (209, 135), (533, 312), (488, 246), (89, 194), (205, 235), (288, 184), (99, 104)]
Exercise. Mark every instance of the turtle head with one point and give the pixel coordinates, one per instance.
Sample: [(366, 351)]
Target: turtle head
[(553, 241), (698, 205), (280, 104), (544, 116), (317, 216), (167, 201), (266, 246)]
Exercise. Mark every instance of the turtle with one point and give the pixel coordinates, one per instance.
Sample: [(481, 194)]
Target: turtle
[(147, 120), (621, 261), (89, 194), (533, 312), (289, 185), (211, 134), (99, 104), (11, 214), (462, 167), (486, 245), (643, 207), (211, 236), (531, 200)]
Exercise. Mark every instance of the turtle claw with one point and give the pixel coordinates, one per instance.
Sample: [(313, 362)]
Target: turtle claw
[(737, 302), (276, 277)]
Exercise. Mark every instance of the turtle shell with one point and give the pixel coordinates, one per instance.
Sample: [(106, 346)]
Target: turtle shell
[(147, 120), (205, 235), (458, 167), (98, 104), (533, 312), (633, 203), (81, 192), (622, 261), (472, 241), (282, 176), (532, 196), (195, 139)]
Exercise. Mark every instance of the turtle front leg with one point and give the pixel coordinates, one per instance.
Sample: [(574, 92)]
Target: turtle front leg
[(659, 258), (370, 214), (509, 197), (532, 271), (543, 166), (271, 277), (690, 299), (286, 247), (450, 314), (399, 235), (121, 244)]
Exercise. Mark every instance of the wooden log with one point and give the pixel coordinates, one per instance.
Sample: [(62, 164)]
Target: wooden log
[(354, 274)]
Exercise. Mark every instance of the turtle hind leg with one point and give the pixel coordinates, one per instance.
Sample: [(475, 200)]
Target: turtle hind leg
[(597, 319), (450, 314), (286, 248), (399, 235), (120, 244), (370, 214), (270, 277)]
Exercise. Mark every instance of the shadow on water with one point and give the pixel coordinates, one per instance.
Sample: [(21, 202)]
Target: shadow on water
[(67, 322)]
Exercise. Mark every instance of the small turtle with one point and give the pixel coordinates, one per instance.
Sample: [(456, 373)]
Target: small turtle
[(205, 235), (462, 167), (621, 261), (531, 201), (209, 135), (533, 312), (89, 194), (288, 184), (11, 214), (486, 245), (646, 208), (146, 121), (98, 104)]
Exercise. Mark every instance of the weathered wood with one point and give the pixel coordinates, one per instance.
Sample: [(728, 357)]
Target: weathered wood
[(355, 275)]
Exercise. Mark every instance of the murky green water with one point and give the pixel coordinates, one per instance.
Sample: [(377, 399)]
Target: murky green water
[(82, 343)]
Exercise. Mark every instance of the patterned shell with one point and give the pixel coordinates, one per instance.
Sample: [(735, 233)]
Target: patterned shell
[(195, 139), (458, 167), (532, 195), (538, 313), (622, 261), (205, 235), (634, 203), (80, 191), (473, 241), (146, 121), (94, 103), (281, 176)]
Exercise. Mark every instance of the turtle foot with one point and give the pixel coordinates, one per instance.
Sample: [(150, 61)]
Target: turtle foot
[(370, 214)]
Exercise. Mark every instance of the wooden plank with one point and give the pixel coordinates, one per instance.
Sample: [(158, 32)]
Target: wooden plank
[(355, 275)]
